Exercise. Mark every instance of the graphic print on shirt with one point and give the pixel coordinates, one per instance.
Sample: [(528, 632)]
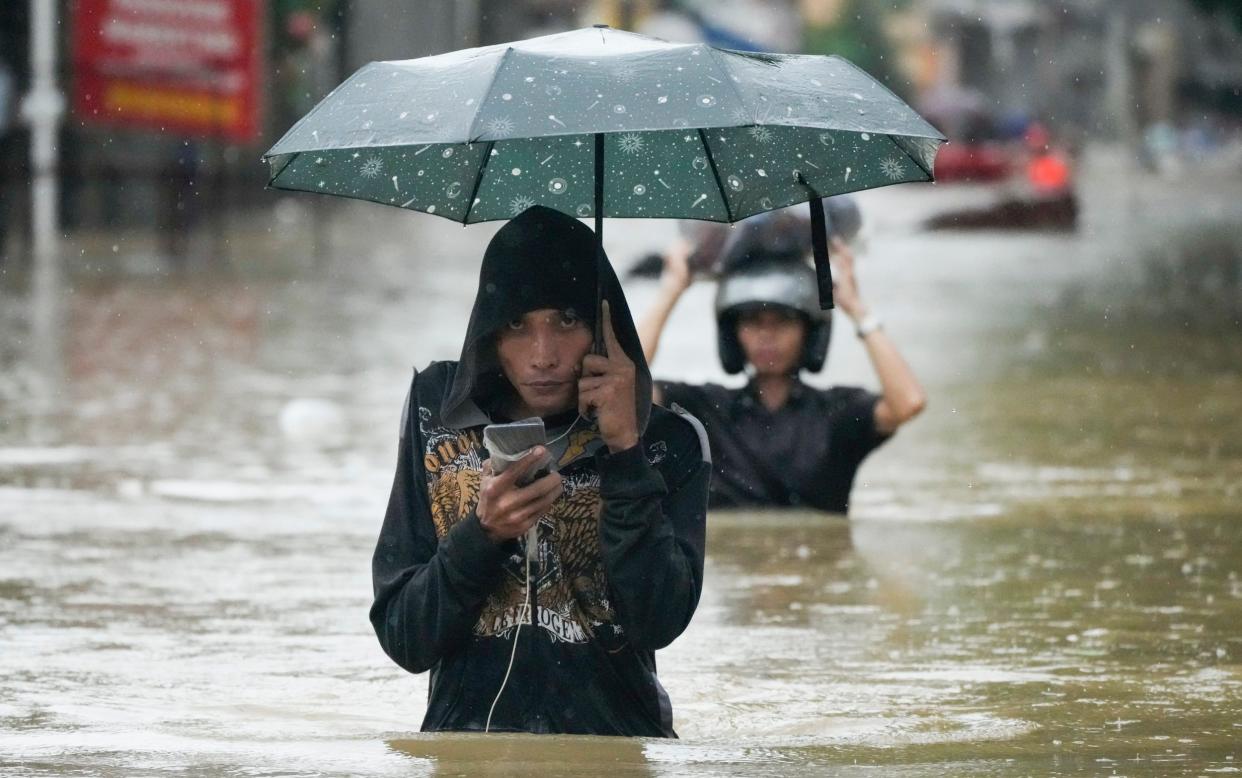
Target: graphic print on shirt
[(454, 471), (568, 575)]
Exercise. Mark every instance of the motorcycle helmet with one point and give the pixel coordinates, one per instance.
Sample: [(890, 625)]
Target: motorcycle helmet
[(772, 283)]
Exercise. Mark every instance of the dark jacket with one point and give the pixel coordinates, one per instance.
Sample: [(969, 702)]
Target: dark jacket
[(804, 454), (620, 560)]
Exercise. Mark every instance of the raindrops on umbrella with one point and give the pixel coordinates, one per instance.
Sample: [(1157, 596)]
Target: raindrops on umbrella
[(687, 131)]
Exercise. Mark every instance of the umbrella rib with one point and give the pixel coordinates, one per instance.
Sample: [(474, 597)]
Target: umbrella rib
[(288, 162), (478, 179), (712, 161), (495, 75), (912, 158), (728, 77)]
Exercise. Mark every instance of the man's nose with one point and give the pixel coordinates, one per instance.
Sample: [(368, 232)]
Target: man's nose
[(544, 353)]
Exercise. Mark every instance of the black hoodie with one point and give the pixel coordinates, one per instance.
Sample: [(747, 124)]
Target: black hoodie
[(620, 558)]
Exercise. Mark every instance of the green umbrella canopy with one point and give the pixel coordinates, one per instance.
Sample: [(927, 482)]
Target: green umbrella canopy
[(687, 131)]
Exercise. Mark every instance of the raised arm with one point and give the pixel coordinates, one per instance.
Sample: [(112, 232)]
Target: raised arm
[(674, 281), (902, 397)]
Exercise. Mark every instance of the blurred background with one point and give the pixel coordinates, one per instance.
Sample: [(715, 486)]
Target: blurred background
[(201, 381)]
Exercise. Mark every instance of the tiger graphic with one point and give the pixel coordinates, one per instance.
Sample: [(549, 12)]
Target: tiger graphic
[(570, 589)]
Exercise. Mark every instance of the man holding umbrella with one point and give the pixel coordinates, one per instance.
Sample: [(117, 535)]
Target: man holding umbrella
[(592, 123), (563, 643)]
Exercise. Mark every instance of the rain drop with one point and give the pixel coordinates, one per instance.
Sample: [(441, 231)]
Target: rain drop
[(506, 96), (517, 171), (452, 191), (448, 152), (553, 90), (735, 183), (403, 114), (866, 136), (557, 186), (530, 79), (640, 190), (662, 99), (583, 209), (707, 101), (766, 203), (431, 209), (618, 108)]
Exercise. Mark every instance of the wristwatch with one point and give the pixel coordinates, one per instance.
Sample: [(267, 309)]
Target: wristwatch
[(868, 325)]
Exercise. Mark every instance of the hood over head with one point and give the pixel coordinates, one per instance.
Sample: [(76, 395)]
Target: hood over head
[(540, 259)]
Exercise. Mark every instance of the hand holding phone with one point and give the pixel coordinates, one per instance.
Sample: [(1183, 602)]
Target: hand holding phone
[(508, 443), (516, 490)]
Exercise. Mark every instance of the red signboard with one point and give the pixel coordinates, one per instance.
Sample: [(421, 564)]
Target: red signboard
[(186, 66)]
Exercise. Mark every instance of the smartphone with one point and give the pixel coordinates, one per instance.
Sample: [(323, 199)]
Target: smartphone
[(507, 443)]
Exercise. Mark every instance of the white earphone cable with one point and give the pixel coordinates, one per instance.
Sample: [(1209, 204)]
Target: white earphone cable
[(517, 632), (527, 606)]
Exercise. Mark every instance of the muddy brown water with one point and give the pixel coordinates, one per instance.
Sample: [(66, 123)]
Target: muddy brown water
[(1042, 576)]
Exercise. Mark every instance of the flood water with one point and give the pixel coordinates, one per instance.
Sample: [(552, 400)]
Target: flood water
[(1042, 575)]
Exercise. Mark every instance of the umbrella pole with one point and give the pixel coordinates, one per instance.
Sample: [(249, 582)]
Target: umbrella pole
[(599, 243)]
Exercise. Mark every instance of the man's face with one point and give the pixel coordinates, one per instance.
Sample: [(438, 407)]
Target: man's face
[(772, 339), (541, 355)]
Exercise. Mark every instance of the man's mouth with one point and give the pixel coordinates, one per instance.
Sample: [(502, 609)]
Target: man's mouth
[(546, 385)]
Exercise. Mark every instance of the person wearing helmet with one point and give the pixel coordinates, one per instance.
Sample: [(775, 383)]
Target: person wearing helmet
[(777, 441)]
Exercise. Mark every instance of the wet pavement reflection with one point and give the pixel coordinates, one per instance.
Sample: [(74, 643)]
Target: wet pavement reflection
[(1042, 576)]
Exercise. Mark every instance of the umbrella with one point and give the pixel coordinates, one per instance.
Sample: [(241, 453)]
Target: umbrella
[(600, 122)]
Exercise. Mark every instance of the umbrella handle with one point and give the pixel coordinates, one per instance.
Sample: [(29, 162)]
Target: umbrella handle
[(819, 246)]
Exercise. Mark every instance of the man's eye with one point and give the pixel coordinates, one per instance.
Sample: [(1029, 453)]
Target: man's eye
[(515, 324), (569, 319)]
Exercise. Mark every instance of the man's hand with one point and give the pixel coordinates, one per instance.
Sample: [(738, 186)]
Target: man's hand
[(676, 276), (607, 389), (675, 279), (507, 510), (844, 284)]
